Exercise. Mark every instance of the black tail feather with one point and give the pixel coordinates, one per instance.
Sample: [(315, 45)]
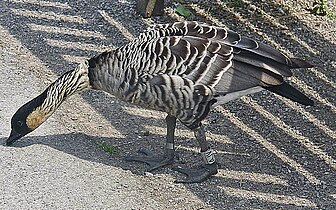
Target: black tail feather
[(290, 92)]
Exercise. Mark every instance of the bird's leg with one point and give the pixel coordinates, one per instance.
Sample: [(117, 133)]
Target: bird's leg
[(153, 160), (170, 145), (208, 169)]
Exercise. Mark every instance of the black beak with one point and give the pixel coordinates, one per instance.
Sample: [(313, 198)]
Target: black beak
[(13, 137)]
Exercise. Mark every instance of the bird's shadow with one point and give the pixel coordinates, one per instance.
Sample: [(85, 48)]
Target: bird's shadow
[(88, 147), (83, 146)]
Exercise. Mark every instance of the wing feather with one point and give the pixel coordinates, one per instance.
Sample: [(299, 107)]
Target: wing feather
[(218, 57)]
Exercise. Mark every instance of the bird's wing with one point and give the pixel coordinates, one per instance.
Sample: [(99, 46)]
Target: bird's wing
[(216, 57)]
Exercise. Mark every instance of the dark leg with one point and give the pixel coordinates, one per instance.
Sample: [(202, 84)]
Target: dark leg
[(208, 169), (153, 160)]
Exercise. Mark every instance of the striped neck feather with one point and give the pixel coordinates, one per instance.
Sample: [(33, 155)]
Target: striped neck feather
[(68, 84)]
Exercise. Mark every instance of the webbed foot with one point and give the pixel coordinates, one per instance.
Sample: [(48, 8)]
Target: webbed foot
[(153, 160), (197, 175)]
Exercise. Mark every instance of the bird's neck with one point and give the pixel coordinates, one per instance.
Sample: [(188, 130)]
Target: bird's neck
[(68, 84), (112, 72)]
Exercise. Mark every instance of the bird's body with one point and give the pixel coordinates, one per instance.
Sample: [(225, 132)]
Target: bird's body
[(182, 69)]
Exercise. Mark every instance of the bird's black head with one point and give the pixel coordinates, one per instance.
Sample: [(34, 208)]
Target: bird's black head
[(26, 119)]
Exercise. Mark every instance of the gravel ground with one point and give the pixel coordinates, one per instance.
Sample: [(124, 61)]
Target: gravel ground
[(274, 154)]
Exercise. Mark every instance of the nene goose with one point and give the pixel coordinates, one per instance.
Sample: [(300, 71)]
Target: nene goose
[(183, 69)]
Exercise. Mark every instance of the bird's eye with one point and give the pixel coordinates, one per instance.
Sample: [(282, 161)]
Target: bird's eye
[(19, 123)]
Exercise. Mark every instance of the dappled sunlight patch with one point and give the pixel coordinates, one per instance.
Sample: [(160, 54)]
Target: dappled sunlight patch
[(124, 31), (74, 59), (252, 176), (49, 16), (76, 45), (281, 155), (268, 197), (305, 141), (188, 134), (66, 31), (43, 3)]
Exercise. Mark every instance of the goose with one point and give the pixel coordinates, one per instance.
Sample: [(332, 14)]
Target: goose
[(183, 69)]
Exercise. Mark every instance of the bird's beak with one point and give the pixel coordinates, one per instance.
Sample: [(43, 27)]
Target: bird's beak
[(13, 137)]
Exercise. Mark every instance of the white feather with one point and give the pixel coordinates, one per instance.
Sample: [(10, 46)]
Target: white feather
[(235, 95)]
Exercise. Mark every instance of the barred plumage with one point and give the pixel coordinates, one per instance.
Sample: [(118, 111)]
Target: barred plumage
[(182, 69), (70, 83)]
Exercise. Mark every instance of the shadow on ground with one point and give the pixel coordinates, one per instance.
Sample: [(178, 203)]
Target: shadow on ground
[(85, 147)]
